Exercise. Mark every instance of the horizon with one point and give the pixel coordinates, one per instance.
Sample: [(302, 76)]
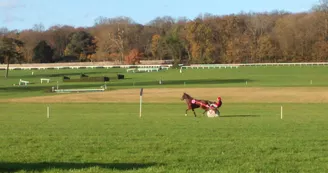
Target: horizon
[(24, 14)]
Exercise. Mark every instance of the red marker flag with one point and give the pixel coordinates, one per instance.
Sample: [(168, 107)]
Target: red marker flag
[(141, 92)]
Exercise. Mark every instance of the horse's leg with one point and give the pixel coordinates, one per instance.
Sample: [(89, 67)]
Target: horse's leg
[(204, 112), (193, 107), (194, 112), (186, 112)]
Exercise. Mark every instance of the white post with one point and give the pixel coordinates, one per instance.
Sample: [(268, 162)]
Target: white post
[(48, 112), (57, 85), (281, 112), (246, 82), (311, 82)]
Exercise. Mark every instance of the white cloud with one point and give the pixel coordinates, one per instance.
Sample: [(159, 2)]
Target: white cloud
[(6, 7), (11, 18), (10, 4)]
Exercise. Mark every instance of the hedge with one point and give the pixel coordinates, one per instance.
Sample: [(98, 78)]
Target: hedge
[(86, 79)]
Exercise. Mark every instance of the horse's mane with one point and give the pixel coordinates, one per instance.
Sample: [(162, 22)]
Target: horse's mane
[(188, 95)]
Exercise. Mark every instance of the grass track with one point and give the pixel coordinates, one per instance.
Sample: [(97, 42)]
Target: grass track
[(112, 138), (255, 77), (107, 137)]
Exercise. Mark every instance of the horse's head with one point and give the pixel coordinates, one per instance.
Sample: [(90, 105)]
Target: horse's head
[(185, 96)]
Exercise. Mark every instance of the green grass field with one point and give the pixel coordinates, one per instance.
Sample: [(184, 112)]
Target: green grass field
[(255, 77), (111, 137)]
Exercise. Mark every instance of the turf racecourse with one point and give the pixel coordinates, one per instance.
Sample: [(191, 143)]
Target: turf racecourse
[(110, 137), (311, 76)]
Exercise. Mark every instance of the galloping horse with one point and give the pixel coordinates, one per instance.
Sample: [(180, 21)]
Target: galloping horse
[(193, 103)]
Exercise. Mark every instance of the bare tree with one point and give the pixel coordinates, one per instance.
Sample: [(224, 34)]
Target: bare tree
[(38, 27), (322, 8), (116, 42)]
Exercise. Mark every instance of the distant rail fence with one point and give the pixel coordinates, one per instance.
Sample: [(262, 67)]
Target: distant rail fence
[(286, 64), (208, 66), (80, 65), (157, 64)]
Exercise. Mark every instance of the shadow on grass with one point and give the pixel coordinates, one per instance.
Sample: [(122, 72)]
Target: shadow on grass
[(47, 88), (182, 82), (73, 74), (43, 166), (61, 74), (119, 83), (234, 116)]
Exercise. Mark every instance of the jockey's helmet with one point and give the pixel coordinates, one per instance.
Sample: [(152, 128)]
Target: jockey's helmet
[(219, 98)]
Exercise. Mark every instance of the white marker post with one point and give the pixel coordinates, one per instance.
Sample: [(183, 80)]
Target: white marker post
[(311, 82), (48, 112), (141, 92), (281, 112)]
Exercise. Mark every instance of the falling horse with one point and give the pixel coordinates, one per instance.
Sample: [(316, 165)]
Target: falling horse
[(193, 103)]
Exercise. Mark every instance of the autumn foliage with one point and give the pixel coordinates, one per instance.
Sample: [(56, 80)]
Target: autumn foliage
[(275, 36), (133, 57)]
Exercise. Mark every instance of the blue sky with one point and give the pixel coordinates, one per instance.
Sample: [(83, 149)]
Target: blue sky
[(23, 14)]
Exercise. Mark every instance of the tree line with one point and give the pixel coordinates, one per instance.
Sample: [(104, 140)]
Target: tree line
[(275, 36)]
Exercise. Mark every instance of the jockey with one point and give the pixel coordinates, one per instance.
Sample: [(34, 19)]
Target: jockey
[(217, 104)]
